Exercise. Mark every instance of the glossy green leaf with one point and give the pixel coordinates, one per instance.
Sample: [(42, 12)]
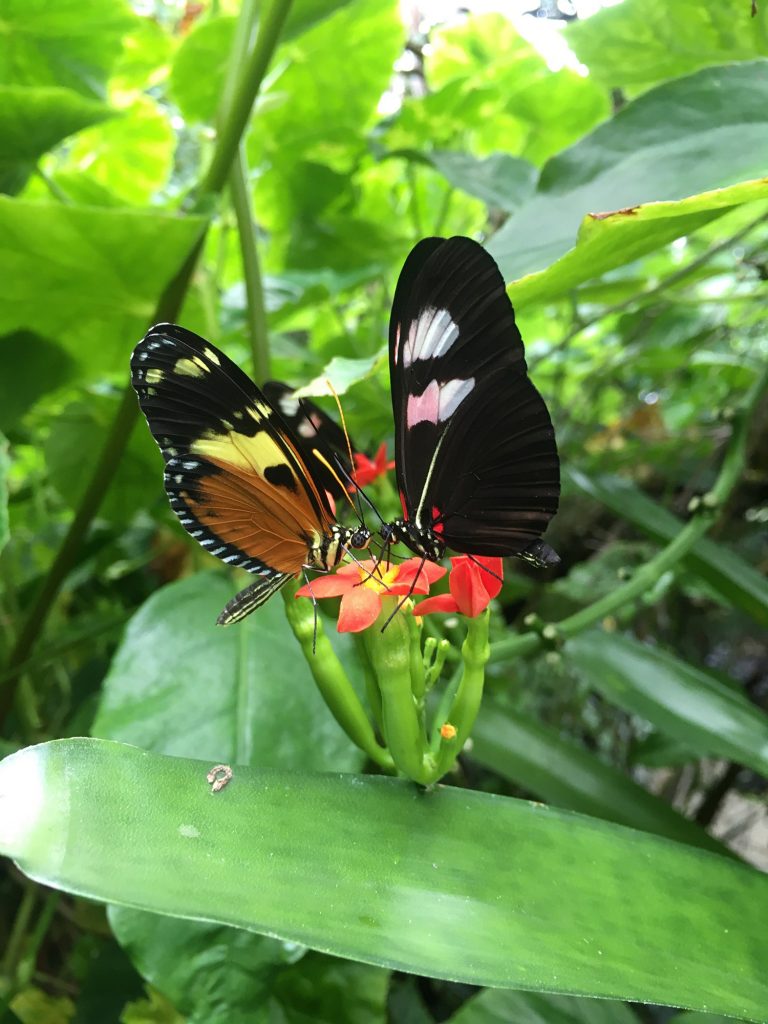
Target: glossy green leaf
[(39, 366), (341, 374), (130, 156), (640, 42), (32, 120), (207, 46), (567, 775), (105, 268), (736, 581), (679, 139), (4, 466), (499, 179), (180, 684), (73, 44), (81, 427), (378, 870), (496, 1006), (681, 700), (488, 83)]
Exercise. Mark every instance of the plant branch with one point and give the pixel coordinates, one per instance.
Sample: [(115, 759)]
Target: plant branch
[(254, 287)]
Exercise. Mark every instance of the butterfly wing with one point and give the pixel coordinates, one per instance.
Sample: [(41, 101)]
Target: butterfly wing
[(314, 432), (233, 475), (474, 444)]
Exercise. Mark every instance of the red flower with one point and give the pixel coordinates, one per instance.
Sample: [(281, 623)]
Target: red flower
[(361, 586), (472, 587), (367, 470)]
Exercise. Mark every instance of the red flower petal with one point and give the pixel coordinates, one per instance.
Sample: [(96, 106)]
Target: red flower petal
[(439, 603), (468, 588), (359, 609), (325, 586), (428, 573)]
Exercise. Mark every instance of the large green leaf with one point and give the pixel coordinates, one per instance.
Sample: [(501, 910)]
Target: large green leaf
[(496, 1006), (34, 119), (3, 492), (610, 240), (567, 775), (88, 278), (73, 43), (683, 701), (489, 85), (39, 366), (498, 179), (450, 883), (219, 975), (682, 138), (640, 42), (180, 684), (736, 581)]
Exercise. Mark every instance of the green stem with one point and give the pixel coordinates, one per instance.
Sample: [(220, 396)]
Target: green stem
[(245, 92), (15, 945), (331, 679), (254, 288), (475, 652), (270, 26), (390, 656), (646, 577)]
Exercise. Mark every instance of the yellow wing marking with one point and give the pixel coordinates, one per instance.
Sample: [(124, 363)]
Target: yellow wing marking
[(194, 367), (254, 454)]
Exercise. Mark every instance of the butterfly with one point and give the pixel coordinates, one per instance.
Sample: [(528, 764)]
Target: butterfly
[(475, 452), (237, 477), (312, 427)]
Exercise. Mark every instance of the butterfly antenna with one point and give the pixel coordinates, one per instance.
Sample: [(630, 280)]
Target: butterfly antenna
[(350, 476)]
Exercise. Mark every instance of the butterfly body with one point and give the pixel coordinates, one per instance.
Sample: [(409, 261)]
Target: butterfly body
[(234, 473), (475, 451)]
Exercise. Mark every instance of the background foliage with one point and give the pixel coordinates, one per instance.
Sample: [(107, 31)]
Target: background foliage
[(628, 210)]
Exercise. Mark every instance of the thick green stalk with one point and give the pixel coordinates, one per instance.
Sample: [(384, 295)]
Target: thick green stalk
[(244, 95), (331, 679), (645, 578), (389, 651), (254, 287), (475, 652)]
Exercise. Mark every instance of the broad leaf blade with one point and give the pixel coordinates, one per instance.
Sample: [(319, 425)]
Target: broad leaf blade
[(378, 870)]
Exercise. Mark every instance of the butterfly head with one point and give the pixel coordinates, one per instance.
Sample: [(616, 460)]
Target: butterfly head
[(421, 540)]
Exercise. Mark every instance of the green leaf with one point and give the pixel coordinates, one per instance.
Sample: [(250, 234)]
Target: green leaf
[(76, 442), (130, 156), (206, 47), (212, 974), (39, 366), (736, 581), (685, 702), (341, 374), (378, 870), (32, 120), (4, 466), (609, 240), (89, 278), (499, 179), (497, 1007), (567, 775), (640, 42), (488, 84), (180, 684), (73, 44), (680, 139)]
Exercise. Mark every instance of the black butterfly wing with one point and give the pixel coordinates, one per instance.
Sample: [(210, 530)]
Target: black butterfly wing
[(232, 472), (315, 433), (474, 444)]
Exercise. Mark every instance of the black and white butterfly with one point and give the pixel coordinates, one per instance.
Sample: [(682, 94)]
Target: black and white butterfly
[(475, 452)]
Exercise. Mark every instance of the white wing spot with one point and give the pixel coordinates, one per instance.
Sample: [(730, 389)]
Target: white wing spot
[(430, 336), (438, 402)]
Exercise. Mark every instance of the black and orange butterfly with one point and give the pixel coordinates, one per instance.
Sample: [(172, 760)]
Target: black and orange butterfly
[(475, 452), (239, 480)]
